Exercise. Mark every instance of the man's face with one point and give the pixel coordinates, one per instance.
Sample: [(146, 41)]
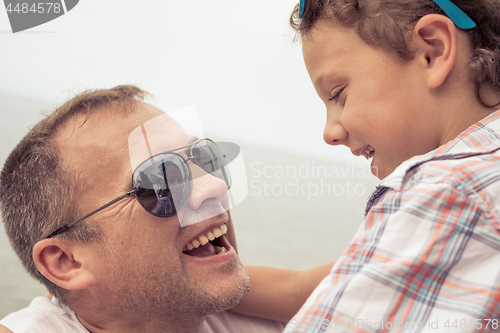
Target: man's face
[(140, 264)]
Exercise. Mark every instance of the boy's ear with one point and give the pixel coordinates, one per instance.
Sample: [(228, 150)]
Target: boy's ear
[(435, 40), (56, 260)]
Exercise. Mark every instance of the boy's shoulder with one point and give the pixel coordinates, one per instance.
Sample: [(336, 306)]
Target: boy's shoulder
[(43, 315), (470, 173)]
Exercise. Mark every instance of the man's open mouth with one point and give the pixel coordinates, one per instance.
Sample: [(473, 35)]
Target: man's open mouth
[(211, 243)]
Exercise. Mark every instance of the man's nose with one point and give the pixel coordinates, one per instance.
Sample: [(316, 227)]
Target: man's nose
[(207, 190), (334, 132)]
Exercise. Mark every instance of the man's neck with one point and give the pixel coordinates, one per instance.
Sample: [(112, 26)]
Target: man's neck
[(96, 318), (152, 326)]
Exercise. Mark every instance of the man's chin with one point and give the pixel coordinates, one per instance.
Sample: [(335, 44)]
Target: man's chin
[(230, 295)]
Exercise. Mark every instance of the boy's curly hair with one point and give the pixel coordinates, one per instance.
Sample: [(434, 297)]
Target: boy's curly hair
[(388, 25)]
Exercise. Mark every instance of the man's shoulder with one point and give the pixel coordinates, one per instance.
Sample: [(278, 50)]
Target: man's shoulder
[(229, 322), (42, 315)]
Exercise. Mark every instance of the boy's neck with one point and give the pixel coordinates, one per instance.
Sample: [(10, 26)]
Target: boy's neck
[(462, 111)]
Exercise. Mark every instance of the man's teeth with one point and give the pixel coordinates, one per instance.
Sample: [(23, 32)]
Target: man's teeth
[(368, 152), (219, 249), (209, 236)]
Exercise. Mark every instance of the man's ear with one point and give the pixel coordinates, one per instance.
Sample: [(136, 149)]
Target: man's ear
[(435, 40), (56, 259)]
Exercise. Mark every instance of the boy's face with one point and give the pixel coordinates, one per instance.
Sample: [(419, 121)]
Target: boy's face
[(373, 100)]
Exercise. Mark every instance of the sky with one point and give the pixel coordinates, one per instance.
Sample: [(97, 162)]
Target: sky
[(235, 60)]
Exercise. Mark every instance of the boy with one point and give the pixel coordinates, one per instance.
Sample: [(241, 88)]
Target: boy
[(412, 85)]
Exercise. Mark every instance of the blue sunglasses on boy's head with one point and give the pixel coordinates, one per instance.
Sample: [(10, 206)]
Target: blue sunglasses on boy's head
[(455, 14)]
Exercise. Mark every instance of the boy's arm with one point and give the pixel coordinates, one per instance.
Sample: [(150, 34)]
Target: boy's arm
[(278, 293)]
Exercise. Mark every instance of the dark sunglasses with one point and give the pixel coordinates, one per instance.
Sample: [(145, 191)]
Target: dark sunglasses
[(162, 183), (455, 14)]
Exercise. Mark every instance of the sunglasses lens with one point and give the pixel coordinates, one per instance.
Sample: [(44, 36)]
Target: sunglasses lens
[(162, 184), (210, 158)]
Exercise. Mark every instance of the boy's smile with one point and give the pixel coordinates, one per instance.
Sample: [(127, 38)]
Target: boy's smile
[(377, 104)]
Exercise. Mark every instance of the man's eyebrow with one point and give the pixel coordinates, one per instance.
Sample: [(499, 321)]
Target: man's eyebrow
[(193, 139)]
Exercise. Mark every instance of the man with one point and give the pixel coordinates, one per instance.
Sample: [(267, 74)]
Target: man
[(135, 263)]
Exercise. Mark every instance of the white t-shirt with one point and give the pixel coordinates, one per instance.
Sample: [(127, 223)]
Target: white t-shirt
[(49, 316)]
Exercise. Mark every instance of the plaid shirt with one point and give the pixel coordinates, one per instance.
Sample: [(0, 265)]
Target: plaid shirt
[(427, 256)]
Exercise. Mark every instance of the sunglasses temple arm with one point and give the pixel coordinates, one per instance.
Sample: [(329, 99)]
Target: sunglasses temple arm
[(67, 226)]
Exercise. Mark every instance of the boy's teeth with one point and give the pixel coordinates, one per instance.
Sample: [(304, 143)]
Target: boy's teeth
[(368, 152), (204, 239)]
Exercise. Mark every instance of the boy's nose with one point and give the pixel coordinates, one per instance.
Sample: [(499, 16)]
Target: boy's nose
[(334, 133)]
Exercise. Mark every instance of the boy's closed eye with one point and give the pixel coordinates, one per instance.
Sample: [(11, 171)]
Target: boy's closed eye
[(336, 93)]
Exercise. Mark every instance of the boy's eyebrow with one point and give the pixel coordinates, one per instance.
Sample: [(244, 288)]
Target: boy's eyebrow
[(318, 80), (321, 79)]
